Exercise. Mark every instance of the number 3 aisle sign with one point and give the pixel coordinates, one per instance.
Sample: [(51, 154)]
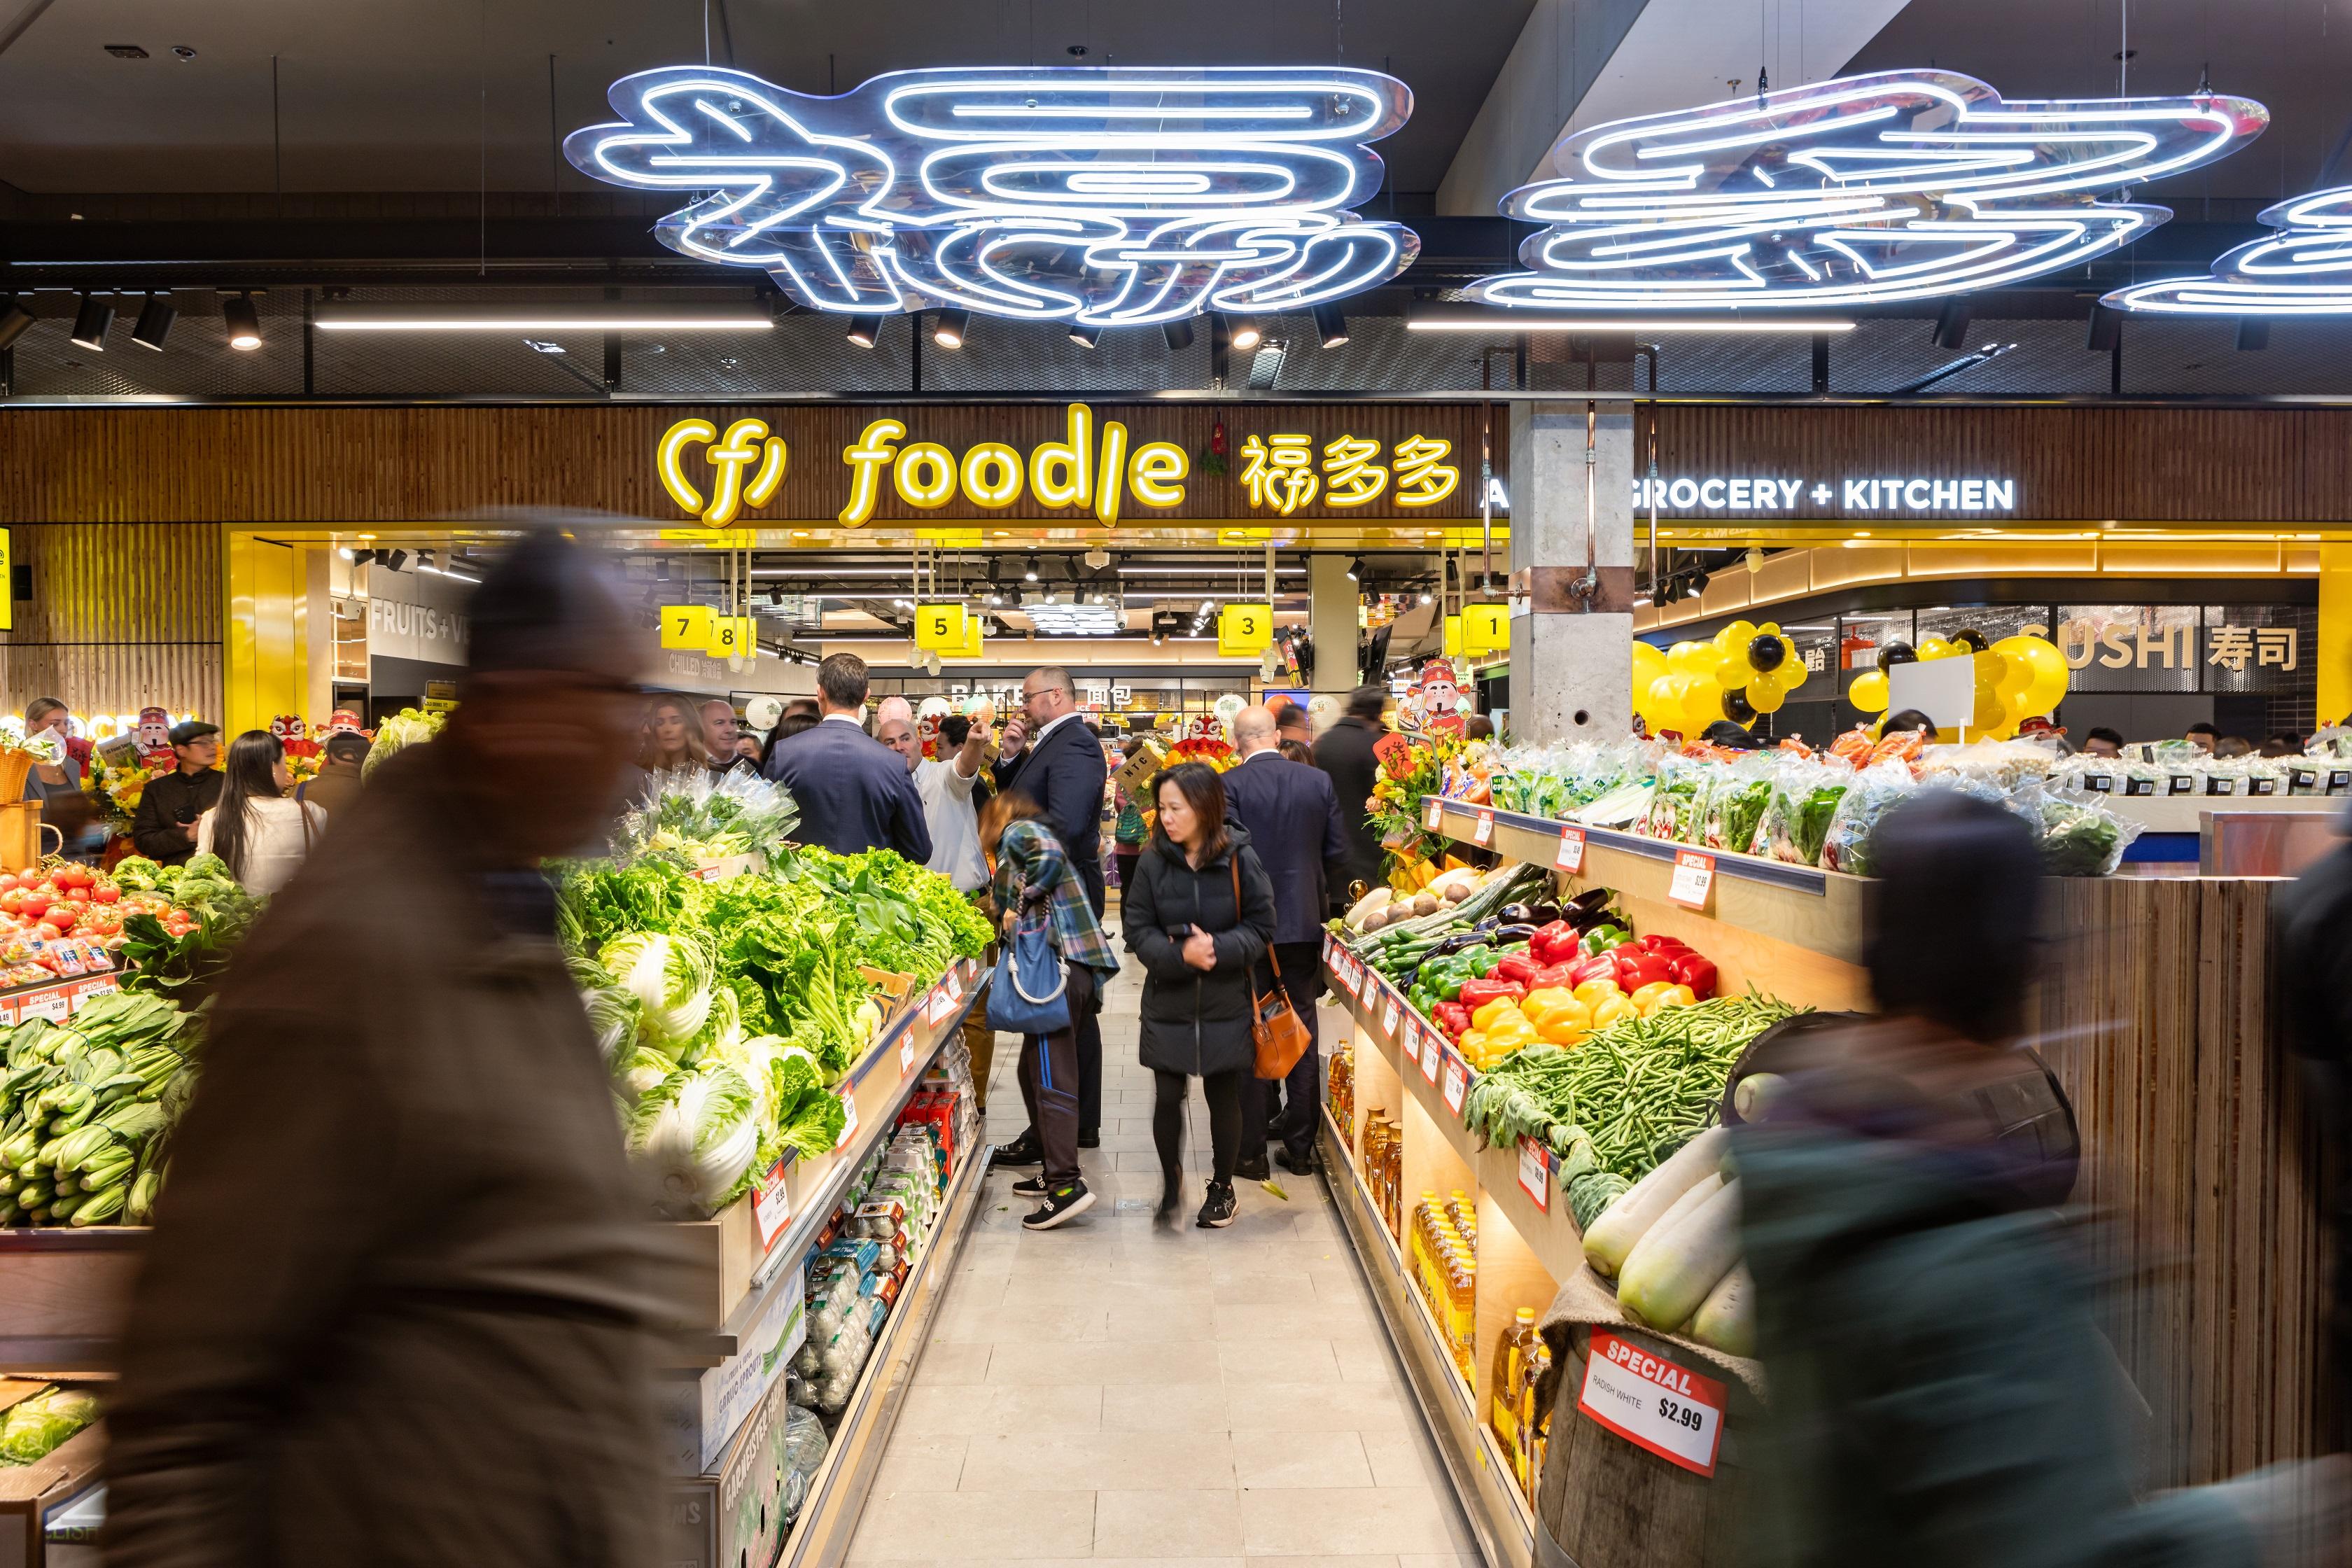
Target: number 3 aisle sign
[(1652, 1404)]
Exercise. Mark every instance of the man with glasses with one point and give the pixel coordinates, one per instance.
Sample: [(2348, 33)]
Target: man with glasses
[(1051, 756), (165, 828)]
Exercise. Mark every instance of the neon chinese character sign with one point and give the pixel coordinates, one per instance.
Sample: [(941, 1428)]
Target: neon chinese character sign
[(1103, 198), (1891, 185), (2305, 270)]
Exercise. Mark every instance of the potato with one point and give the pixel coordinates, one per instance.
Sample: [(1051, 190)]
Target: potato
[(1426, 904)]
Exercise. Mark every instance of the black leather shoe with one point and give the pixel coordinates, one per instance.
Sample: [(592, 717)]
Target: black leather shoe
[(1255, 1170), (1300, 1164), (1021, 1151)]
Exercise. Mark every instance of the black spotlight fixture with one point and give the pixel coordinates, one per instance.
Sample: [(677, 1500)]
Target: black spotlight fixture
[(244, 323), (2106, 330), (1244, 334), (392, 560), (1178, 333), (1330, 325), (155, 317), (1085, 337), (14, 318), (2253, 333), (90, 322), (865, 331), (1952, 325), (948, 329)]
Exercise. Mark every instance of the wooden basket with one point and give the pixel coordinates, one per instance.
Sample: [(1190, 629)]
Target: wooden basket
[(16, 767)]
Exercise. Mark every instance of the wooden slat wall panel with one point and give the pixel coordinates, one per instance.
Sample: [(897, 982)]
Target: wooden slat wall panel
[(402, 465), (122, 615), (2157, 1014), (2132, 465)]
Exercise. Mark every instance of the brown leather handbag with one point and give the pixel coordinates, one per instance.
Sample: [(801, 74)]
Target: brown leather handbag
[(1276, 1029)]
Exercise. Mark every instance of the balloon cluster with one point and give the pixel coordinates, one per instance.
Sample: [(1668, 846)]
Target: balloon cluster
[(2017, 678), (1747, 669)]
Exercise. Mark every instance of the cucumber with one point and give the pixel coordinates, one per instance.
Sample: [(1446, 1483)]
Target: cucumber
[(1682, 1266), (1665, 1224), (1609, 1239), (1726, 1318)]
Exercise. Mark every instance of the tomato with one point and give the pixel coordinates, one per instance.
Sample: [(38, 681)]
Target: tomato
[(7, 882), (106, 893), (33, 904), (61, 918), (78, 893)]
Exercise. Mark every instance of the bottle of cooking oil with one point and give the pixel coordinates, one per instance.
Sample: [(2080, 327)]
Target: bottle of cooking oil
[(1423, 1244), (1535, 1420), (1508, 1382), (1461, 1316), (1464, 1215)]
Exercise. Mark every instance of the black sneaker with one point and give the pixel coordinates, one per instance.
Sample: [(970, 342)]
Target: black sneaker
[(1255, 1170), (1030, 1187), (1062, 1204), (1021, 1151), (1219, 1209), (1302, 1164)]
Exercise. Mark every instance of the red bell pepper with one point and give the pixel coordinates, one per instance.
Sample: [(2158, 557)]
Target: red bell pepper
[(1554, 943), (1599, 966), (1660, 942), (1550, 974), (1637, 970), (1477, 993), (1517, 966), (1698, 973), (1453, 1018)]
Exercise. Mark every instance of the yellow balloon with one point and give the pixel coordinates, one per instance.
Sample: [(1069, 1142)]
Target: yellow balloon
[(1649, 664), (1665, 700), (1791, 673), (1703, 702), (1936, 647), (1766, 697), (2016, 670), (1867, 693), (1989, 709), (1770, 629), (1683, 659), (1732, 641)]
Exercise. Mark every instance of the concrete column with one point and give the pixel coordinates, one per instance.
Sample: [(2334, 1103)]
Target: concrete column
[(1571, 652), (1332, 615)]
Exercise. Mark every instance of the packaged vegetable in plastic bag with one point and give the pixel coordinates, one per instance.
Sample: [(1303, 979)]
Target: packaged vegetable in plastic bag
[(1675, 801), (839, 1361), (801, 1445), (2079, 835), (1796, 818), (1737, 802), (1876, 789)]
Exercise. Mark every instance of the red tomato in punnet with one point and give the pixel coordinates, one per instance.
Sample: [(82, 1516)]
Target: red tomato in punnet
[(106, 893)]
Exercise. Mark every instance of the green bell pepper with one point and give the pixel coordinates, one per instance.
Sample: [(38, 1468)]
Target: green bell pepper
[(1602, 938), (1482, 961)]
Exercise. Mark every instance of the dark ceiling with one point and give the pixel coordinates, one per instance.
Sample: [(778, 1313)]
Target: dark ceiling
[(449, 95)]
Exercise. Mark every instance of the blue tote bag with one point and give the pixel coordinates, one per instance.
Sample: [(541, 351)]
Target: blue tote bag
[(1026, 996)]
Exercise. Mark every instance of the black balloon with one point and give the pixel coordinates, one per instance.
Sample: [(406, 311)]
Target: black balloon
[(1897, 652), (1766, 652), (1973, 639), (1736, 707)]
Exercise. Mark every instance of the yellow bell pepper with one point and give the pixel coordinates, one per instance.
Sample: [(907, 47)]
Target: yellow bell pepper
[(1563, 1030), (1484, 1018), (1675, 996), (1472, 1042), (1550, 999), (1613, 1009), (1510, 1027), (1592, 991), (1646, 998)]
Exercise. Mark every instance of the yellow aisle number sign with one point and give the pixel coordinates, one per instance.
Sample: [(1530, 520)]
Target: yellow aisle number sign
[(732, 636), (686, 627), (1245, 631), (974, 635), (942, 629), (1486, 629)]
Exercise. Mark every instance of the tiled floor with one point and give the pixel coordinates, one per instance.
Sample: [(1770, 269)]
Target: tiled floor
[(1120, 1390)]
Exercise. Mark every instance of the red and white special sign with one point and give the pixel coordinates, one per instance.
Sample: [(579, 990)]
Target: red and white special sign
[(1652, 1404), (1570, 855), (1693, 876)]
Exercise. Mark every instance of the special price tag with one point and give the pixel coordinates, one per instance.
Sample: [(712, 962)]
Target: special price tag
[(1430, 1050), (1570, 858), (848, 1118), (907, 1055), (1693, 879), (1457, 1080), (1652, 1404), (1483, 833), (1389, 1016), (55, 1003), (1433, 814), (771, 1204), (1535, 1173)]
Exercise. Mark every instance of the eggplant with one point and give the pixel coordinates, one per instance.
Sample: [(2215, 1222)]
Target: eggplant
[(1488, 924), (1516, 914), (1594, 899), (1503, 936), (1543, 914), (1452, 944)]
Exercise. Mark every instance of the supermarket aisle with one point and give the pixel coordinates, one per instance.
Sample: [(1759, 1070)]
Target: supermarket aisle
[(1115, 1390)]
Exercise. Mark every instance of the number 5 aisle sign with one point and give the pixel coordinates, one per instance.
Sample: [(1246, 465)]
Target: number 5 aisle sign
[(1652, 1404)]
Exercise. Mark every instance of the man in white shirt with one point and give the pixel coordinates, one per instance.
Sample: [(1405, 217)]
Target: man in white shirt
[(945, 785)]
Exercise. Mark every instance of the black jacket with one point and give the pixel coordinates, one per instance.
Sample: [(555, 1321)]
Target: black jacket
[(1345, 752), (2313, 915), (1065, 774), (163, 805), (1197, 1020), (855, 792), (1293, 819)]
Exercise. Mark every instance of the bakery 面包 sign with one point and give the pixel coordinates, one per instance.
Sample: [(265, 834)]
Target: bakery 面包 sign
[(1108, 464)]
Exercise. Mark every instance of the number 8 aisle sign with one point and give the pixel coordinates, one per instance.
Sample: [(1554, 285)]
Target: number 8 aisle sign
[(1652, 1404)]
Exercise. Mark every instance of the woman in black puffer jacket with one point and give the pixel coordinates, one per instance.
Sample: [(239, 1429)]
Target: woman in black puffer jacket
[(1200, 916)]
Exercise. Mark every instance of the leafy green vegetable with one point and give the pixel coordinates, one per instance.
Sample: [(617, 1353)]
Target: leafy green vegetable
[(34, 1429), (696, 1131)]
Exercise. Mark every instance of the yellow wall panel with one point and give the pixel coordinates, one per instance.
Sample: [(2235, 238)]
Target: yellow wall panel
[(2335, 632), (122, 616)]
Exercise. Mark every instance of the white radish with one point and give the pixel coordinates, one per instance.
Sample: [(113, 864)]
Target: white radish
[(1611, 1239), (1683, 1266), (1726, 1318), (1665, 1224)]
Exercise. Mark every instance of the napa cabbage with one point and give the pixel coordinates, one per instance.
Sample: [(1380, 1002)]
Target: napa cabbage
[(671, 977), (697, 1135)]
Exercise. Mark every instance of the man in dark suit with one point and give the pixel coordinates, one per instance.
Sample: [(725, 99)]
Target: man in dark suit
[(1051, 756), (1345, 752), (854, 792), (1293, 819)]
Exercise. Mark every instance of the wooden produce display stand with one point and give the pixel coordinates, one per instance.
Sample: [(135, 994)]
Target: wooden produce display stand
[(2155, 1017)]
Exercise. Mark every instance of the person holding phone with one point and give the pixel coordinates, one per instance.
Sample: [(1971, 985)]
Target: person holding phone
[(1200, 916), (165, 828)]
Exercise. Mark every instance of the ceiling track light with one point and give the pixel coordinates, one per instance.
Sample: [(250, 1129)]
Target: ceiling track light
[(1330, 325), (1244, 334), (865, 331), (1952, 325), (949, 328), (1178, 334), (2106, 330), (90, 322), (14, 320), (1084, 336), (155, 317), (244, 322)]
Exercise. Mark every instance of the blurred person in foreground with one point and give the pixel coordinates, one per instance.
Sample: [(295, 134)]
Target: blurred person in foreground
[(2314, 915), (1939, 1393), (335, 788), (438, 1346)]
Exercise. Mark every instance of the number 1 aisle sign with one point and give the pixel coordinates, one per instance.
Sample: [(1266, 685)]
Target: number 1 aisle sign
[(1652, 1404)]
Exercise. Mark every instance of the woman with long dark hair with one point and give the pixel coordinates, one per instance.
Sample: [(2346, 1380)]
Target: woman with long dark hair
[(673, 737), (1200, 916), (262, 835)]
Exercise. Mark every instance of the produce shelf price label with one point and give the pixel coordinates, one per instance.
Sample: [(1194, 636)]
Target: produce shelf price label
[(907, 1055), (1483, 832), (1570, 858), (1457, 1080), (1389, 1018), (1431, 1051), (1433, 814), (1693, 879), (848, 1116), (1652, 1404), (771, 1204), (1535, 1173)]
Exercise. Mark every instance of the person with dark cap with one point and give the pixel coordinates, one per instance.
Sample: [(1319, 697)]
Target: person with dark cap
[(336, 787), (439, 1346), (164, 827), (1940, 1392)]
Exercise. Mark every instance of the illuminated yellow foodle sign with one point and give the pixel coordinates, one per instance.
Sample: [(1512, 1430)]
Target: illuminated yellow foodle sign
[(1245, 631), (747, 448), (1097, 472)]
